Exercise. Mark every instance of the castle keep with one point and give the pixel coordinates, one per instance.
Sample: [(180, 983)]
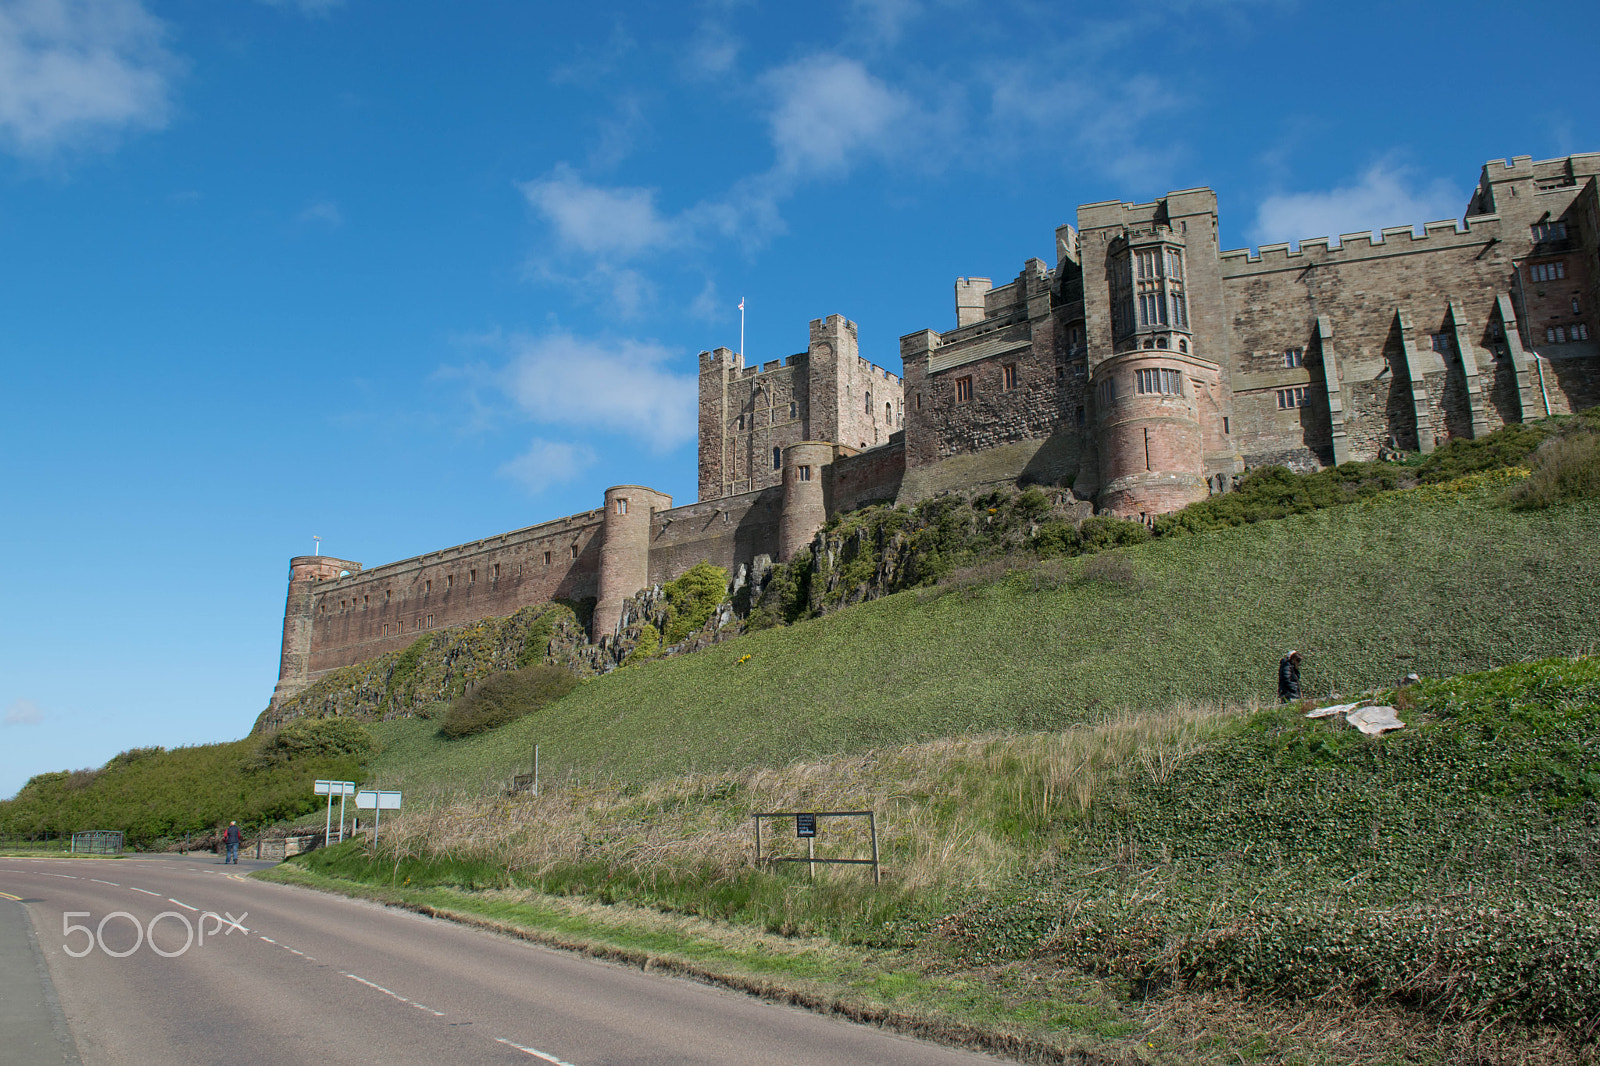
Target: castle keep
[(1144, 369)]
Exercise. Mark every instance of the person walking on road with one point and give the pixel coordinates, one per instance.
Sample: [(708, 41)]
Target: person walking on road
[(232, 837), (1289, 677)]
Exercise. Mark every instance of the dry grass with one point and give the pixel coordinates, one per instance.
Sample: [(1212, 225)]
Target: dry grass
[(952, 814), (1219, 1027)]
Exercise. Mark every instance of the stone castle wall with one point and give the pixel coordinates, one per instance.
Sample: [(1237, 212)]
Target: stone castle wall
[(1307, 357), (384, 609)]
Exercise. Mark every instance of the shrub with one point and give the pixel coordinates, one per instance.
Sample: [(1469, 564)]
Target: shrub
[(1103, 532), (1277, 492), (313, 738), (405, 668), (536, 641), (1057, 537), (691, 598), (1506, 446), (1567, 468), (785, 595), (131, 756), (157, 796), (1032, 505), (647, 647), (505, 698)]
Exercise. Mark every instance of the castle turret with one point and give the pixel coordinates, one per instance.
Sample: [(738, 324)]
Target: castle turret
[(805, 502), (294, 666), (624, 550), (1150, 442), (1155, 329)]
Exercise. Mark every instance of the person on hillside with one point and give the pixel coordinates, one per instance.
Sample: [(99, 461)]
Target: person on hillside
[(1289, 677), (231, 837)]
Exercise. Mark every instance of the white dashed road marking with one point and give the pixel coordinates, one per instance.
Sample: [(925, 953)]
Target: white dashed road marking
[(535, 1052), (180, 903), (113, 884), (396, 995), (146, 891)]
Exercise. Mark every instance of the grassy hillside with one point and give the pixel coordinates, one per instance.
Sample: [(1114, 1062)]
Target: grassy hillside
[(1438, 580), (154, 796), (1202, 884)]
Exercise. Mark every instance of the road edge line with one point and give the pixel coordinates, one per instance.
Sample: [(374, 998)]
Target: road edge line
[(947, 1032)]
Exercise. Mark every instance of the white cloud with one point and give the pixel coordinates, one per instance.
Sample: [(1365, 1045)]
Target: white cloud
[(828, 110), (1109, 123), (708, 305), (312, 8), (619, 221), (23, 712), (624, 387), (548, 463), (618, 135), (885, 19), (79, 71), (324, 211), (711, 52), (1386, 195)]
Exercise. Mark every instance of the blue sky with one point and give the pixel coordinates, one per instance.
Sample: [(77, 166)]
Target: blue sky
[(402, 275)]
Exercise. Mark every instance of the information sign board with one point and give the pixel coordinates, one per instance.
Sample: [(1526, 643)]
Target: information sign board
[(372, 799), (805, 825)]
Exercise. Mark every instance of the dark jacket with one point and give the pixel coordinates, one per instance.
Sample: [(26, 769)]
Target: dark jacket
[(1288, 680), (232, 836)]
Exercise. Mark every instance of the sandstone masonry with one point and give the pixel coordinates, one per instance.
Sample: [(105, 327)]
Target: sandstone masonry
[(1144, 369)]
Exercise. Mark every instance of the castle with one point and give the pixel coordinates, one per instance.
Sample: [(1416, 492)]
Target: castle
[(1144, 370)]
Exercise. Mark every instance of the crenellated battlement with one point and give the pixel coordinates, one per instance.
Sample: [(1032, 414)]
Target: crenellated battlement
[(1447, 233)]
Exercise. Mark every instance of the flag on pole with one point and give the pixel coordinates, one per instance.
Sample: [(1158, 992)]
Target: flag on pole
[(741, 303)]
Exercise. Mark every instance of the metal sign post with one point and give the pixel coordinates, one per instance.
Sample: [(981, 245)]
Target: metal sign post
[(378, 802), (332, 789), (805, 827)]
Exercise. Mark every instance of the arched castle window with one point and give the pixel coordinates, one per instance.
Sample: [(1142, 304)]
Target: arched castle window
[(777, 458)]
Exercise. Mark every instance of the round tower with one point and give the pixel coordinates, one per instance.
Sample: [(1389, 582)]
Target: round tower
[(805, 504), (1152, 457), (294, 666), (624, 550)]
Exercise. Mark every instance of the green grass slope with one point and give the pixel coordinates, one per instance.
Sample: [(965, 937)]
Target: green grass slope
[(1196, 884), (154, 796), (1439, 580)]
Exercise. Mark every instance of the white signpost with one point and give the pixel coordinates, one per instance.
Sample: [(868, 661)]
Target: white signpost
[(380, 801), (332, 789)]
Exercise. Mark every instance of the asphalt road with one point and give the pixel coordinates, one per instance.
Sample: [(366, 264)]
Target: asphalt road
[(284, 975)]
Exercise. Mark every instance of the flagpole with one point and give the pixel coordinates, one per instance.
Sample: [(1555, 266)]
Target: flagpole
[(741, 329)]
